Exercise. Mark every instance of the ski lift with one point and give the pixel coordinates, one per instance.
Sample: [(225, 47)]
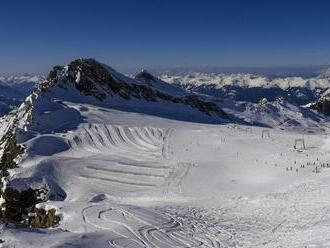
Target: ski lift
[(265, 134), (299, 144), (248, 130)]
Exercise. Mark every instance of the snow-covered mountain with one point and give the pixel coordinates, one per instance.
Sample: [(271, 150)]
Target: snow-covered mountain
[(79, 97), (253, 88), (258, 100), (19, 79), (247, 80), (108, 160)]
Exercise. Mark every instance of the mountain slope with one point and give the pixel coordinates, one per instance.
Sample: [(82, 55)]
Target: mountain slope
[(92, 154), (78, 98)]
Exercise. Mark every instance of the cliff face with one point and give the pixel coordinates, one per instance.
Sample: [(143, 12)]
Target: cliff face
[(323, 105), (97, 80), (145, 76)]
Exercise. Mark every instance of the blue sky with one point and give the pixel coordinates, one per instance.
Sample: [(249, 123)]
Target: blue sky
[(36, 34)]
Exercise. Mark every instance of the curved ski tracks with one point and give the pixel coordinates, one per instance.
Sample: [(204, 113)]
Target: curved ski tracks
[(133, 226), (138, 227)]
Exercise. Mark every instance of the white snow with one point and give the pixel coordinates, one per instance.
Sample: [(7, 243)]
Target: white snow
[(78, 77), (141, 174), (19, 79), (172, 183)]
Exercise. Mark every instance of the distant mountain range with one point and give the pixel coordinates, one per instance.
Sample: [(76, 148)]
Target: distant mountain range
[(267, 71), (252, 88), (233, 89), (14, 89)]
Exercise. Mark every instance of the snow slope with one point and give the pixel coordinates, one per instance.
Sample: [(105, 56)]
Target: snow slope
[(177, 184), (58, 104), (139, 173)]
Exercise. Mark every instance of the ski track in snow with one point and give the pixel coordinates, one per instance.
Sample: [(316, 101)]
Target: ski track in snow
[(273, 220), (139, 162), (139, 227), (152, 173)]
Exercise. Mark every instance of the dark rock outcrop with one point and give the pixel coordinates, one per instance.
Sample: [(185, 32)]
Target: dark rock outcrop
[(17, 204), (322, 106), (145, 76), (44, 218), (10, 151), (97, 80)]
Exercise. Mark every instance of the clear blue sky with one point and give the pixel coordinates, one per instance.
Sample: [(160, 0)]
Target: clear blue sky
[(36, 34)]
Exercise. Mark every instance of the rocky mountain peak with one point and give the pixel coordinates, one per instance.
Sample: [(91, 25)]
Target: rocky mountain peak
[(100, 81), (145, 76), (89, 76)]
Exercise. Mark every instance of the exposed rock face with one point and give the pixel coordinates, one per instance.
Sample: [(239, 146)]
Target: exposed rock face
[(145, 76), (89, 75), (10, 151), (44, 218), (18, 204), (322, 106), (203, 106), (95, 79)]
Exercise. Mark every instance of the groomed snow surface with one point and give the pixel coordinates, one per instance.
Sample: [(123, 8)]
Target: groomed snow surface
[(136, 180)]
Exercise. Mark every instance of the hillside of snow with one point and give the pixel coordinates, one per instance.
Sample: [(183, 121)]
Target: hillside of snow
[(93, 158)]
